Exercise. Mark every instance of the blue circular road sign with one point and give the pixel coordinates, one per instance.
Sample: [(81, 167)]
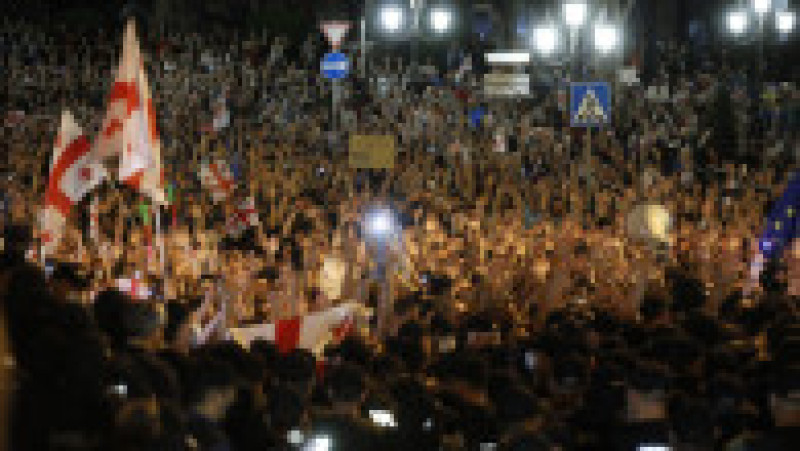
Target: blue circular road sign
[(335, 65)]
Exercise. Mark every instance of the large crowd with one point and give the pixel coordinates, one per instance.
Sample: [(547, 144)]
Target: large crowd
[(524, 315)]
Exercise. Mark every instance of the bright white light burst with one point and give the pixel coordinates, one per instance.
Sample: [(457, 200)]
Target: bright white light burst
[(737, 22), (391, 18), (545, 39), (441, 20)]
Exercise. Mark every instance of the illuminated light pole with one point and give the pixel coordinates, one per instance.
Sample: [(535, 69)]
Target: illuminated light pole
[(575, 15)]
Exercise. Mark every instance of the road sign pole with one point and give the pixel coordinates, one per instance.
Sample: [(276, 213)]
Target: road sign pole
[(335, 94), (587, 155), (363, 48)]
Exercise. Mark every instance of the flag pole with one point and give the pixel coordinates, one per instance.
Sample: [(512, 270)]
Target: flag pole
[(160, 242), (94, 213)]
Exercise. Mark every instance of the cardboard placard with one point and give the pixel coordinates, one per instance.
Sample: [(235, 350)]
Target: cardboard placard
[(372, 151), (507, 85)]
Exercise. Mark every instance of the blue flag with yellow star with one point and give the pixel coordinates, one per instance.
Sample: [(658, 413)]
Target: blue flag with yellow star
[(781, 225)]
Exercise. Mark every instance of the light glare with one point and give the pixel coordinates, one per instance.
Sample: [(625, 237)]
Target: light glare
[(737, 22), (379, 223), (761, 6), (575, 13), (545, 40), (606, 38), (391, 18), (441, 20), (785, 21)]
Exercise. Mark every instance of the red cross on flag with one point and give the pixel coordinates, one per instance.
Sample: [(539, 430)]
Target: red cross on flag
[(134, 287), (244, 216), (74, 172), (312, 332), (218, 178), (129, 127)]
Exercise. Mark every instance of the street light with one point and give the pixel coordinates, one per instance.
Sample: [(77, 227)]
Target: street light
[(785, 21), (575, 13), (545, 39), (737, 22), (391, 18), (761, 7), (441, 20), (606, 37)]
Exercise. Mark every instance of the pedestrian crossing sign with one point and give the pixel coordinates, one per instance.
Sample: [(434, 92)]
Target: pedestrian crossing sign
[(590, 104)]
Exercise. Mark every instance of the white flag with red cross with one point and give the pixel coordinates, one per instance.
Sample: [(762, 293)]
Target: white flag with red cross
[(129, 127), (134, 287), (244, 216), (312, 332), (217, 177), (74, 172)]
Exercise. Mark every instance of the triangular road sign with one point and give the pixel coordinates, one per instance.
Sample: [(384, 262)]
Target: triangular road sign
[(335, 32), (590, 110)]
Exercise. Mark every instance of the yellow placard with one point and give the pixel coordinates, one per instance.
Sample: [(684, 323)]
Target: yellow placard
[(372, 151)]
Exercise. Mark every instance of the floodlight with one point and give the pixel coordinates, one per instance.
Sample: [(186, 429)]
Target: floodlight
[(545, 40), (391, 18), (441, 20), (785, 21), (761, 6), (737, 22), (575, 13), (606, 38)]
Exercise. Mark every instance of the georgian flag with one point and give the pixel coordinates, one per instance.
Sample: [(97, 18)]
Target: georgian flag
[(218, 178), (134, 287), (129, 127), (74, 172), (244, 216), (312, 332)]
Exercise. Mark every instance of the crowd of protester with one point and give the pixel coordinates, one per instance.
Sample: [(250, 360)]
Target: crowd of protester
[(524, 315)]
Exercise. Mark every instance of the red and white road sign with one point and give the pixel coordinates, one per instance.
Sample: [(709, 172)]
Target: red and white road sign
[(335, 32)]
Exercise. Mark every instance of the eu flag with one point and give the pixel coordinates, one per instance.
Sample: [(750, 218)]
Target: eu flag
[(780, 227)]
